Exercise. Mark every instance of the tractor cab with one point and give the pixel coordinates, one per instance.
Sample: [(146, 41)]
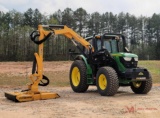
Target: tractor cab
[(112, 42), (113, 52)]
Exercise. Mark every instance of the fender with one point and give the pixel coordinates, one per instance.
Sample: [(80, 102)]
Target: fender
[(90, 79), (81, 57)]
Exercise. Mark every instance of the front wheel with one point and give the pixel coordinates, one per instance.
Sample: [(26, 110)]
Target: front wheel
[(142, 87), (78, 76), (107, 81)]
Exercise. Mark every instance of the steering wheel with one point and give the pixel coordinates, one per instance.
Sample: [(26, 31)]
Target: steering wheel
[(102, 51)]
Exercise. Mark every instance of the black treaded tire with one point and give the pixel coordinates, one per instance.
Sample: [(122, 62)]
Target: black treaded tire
[(79, 85), (107, 75), (144, 88)]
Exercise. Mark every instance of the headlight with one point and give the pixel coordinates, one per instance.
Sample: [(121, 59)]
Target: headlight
[(127, 58), (136, 58)]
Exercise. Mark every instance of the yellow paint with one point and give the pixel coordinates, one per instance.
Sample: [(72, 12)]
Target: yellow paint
[(102, 81), (137, 84), (75, 76)]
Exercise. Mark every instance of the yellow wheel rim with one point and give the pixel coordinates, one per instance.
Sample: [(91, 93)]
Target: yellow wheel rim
[(137, 84), (75, 76), (102, 82)]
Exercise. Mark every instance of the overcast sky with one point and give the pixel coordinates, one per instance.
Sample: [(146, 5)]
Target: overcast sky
[(136, 7)]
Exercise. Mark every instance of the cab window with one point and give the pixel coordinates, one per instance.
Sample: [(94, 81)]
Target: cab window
[(107, 45), (114, 46), (111, 45), (98, 44)]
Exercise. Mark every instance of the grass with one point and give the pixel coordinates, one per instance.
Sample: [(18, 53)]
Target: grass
[(61, 78), (56, 79), (154, 69), (8, 80)]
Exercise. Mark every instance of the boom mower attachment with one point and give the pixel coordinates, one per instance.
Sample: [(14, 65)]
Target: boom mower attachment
[(43, 33), (32, 93)]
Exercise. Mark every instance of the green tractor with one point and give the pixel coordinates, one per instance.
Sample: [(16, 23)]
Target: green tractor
[(110, 66)]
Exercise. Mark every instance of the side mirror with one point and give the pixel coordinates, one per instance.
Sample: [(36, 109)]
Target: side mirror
[(127, 50)]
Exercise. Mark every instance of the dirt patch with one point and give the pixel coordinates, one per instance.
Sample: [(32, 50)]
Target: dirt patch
[(125, 104), (23, 68)]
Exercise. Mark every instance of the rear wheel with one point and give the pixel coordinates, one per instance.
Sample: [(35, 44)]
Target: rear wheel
[(107, 81), (142, 87), (78, 76)]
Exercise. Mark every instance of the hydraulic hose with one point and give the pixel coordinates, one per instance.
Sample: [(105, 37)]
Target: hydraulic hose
[(33, 37), (42, 83)]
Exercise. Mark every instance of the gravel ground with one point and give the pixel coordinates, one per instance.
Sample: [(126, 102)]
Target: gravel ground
[(125, 104)]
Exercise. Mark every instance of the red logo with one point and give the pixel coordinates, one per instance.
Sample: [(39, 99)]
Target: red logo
[(131, 109)]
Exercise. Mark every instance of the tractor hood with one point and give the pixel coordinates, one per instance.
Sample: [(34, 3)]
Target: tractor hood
[(125, 60), (126, 56), (122, 54), (129, 55)]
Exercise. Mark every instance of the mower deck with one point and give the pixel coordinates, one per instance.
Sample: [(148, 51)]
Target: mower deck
[(30, 96)]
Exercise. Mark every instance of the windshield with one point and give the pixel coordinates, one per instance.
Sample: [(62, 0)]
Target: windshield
[(109, 44), (114, 46)]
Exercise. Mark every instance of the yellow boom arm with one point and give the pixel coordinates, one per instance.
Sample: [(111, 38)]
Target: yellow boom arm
[(46, 31), (64, 30)]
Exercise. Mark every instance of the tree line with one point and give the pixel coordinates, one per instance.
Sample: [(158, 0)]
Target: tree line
[(142, 33)]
